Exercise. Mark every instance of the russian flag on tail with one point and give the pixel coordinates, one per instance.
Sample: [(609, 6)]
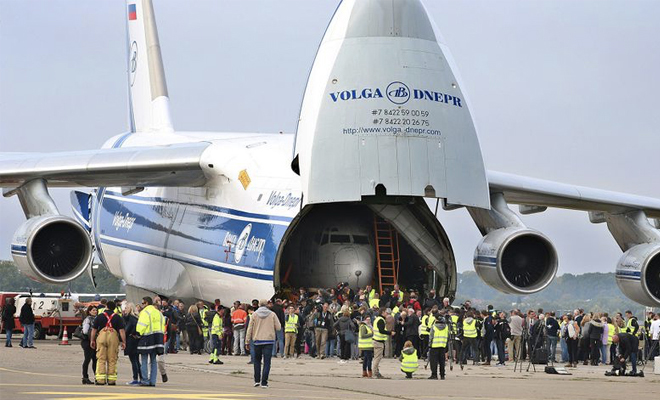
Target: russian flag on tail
[(132, 12)]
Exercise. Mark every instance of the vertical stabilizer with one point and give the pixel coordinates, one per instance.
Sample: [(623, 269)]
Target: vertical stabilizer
[(149, 101)]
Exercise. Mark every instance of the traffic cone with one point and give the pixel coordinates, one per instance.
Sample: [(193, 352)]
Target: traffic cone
[(65, 338)]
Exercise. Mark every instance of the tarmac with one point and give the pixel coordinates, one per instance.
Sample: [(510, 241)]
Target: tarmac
[(53, 371)]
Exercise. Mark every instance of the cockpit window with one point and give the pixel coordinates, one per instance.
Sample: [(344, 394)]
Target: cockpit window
[(360, 239), (338, 238)]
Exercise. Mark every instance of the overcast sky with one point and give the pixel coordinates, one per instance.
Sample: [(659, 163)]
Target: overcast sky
[(560, 90)]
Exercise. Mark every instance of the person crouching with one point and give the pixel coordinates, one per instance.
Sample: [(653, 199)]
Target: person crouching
[(409, 360)]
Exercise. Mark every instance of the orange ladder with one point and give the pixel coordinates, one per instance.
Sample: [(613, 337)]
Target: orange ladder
[(387, 253)]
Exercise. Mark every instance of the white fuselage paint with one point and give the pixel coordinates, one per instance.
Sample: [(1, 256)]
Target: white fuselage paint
[(143, 251)]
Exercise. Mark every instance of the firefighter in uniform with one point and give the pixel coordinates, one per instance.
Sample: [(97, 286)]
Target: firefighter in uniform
[(110, 327), (217, 330), (424, 330), (438, 337)]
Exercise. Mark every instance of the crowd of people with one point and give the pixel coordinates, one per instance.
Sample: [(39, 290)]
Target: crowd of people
[(360, 324)]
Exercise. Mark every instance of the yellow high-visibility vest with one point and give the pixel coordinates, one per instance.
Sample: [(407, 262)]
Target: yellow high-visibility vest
[(629, 328), (610, 333), (409, 363), (365, 342), (439, 337), (150, 321), (454, 323), (427, 323), (395, 310), (291, 324), (374, 303), (380, 337), (216, 326), (470, 330)]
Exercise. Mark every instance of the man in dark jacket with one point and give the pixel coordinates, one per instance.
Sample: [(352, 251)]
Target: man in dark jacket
[(487, 338), (8, 325), (27, 320), (432, 300), (279, 341), (628, 345), (552, 332)]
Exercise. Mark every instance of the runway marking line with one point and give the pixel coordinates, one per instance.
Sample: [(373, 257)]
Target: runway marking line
[(136, 396)]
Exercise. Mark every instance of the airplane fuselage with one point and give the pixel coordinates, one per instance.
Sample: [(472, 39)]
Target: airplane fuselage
[(202, 242)]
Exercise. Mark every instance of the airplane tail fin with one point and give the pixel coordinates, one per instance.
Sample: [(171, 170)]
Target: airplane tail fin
[(148, 97)]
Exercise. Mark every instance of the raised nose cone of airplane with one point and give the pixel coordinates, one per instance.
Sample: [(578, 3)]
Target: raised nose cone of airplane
[(378, 18), (384, 112)]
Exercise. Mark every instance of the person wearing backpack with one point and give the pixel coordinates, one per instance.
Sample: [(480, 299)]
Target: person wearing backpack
[(572, 332)]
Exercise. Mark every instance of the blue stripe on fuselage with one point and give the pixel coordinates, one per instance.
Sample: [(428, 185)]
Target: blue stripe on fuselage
[(193, 233)]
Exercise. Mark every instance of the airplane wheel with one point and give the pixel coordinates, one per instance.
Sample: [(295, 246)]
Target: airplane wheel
[(207, 346)]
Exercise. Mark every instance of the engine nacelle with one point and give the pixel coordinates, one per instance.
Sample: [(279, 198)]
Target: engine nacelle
[(516, 260), (638, 274), (52, 249)]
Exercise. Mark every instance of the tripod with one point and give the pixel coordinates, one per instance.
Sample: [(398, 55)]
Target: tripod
[(535, 345), (649, 353), (523, 342)]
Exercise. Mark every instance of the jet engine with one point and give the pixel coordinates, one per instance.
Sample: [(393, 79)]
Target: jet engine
[(516, 260), (638, 274), (52, 249)]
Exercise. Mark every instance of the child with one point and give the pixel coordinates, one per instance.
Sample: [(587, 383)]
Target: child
[(408, 359)]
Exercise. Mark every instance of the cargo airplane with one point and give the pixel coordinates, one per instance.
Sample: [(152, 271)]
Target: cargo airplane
[(384, 124)]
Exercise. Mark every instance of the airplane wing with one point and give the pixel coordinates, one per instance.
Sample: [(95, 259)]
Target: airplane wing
[(537, 192), (172, 165)]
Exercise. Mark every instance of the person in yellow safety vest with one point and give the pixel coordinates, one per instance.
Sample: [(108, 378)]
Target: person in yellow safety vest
[(469, 339), (396, 308), (366, 346), (610, 334), (151, 328), (374, 301), (203, 309), (102, 306), (632, 327), (379, 338), (216, 337), (290, 332), (438, 338), (424, 330), (369, 293), (409, 360), (110, 327), (454, 320), (396, 293)]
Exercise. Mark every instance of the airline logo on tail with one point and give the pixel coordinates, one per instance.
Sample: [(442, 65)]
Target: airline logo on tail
[(398, 93)]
